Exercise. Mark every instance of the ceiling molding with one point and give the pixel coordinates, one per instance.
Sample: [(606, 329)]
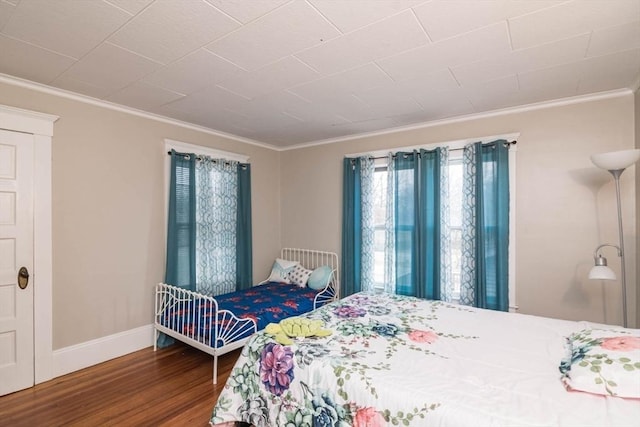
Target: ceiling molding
[(14, 81), (469, 117), (39, 87)]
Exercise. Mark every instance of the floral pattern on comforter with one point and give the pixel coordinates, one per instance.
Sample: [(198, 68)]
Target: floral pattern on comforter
[(348, 378)]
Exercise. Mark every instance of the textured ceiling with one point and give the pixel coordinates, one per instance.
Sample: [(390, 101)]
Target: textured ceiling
[(286, 72)]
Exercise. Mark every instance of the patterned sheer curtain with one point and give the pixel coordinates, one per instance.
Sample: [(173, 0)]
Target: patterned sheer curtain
[(390, 231), (367, 170), (216, 219), (446, 283), (485, 226)]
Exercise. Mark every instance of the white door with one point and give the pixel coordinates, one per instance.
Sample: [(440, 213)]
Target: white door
[(16, 251)]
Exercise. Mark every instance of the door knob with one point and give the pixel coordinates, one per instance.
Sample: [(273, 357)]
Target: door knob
[(23, 277)]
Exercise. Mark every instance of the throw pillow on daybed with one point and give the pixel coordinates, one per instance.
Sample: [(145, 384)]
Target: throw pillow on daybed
[(320, 278), (603, 362), (299, 275), (280, 270)]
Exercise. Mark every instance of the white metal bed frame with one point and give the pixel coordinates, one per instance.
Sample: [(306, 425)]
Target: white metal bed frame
[(230, 327)]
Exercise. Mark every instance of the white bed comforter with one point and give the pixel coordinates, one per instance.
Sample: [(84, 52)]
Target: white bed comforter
[(395, 360)]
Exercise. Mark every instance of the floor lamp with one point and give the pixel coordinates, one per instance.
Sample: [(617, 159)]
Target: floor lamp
[(615, 162)]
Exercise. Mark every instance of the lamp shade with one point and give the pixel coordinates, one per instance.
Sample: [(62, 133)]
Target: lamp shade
[(602, 272), (616, 160)]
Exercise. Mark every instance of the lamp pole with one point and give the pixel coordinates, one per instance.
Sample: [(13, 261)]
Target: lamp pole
[(616, 176), (616, 162)]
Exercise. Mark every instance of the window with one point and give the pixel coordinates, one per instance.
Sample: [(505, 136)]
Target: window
[(455, 212)]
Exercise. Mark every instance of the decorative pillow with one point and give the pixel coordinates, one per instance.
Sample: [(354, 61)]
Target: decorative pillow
[(320, 278), (280, 270), (603, 362), (299, 275)]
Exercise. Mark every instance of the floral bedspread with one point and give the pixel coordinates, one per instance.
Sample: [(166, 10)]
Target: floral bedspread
[(394, 360)]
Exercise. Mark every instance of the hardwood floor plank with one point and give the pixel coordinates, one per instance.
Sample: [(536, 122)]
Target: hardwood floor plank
[(171, 387)]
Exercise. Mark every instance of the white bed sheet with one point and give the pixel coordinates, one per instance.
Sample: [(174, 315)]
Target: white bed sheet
[(474, 368)]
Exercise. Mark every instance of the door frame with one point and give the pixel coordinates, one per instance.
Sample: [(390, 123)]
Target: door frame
[(40, 125)]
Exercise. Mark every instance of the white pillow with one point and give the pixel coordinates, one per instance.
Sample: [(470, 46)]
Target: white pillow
[(280, 270), (299, 275)]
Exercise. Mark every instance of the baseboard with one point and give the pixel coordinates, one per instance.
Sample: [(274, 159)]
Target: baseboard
[(80, 356)]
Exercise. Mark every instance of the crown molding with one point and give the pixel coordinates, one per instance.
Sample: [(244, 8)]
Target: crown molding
[(469, 117), (50, 90), (39, 87)]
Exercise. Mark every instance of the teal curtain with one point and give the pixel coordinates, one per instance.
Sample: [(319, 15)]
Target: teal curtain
[(181, 230), (485, 226), (350, 281), (405, 194), (244, 251), (358, 231), (419, 217)]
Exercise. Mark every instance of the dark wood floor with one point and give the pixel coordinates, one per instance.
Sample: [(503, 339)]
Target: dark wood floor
[(171, 387)]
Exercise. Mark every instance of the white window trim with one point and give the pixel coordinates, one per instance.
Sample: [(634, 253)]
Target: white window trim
[(457, 144)]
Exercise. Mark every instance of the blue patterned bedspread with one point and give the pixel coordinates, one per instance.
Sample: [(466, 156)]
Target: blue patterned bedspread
[(267, 303)]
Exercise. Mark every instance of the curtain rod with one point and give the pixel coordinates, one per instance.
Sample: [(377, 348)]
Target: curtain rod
[(199, 158), (508, 143), (185, 155), (202, 158)]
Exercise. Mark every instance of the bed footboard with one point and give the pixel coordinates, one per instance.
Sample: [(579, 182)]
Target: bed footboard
[(326, 295), (195, 319)]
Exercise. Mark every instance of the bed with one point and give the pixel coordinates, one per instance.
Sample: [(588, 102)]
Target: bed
[(220, 324), (394, 360)]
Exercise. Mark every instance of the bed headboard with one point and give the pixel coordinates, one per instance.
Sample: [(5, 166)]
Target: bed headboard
[(312, 259)]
